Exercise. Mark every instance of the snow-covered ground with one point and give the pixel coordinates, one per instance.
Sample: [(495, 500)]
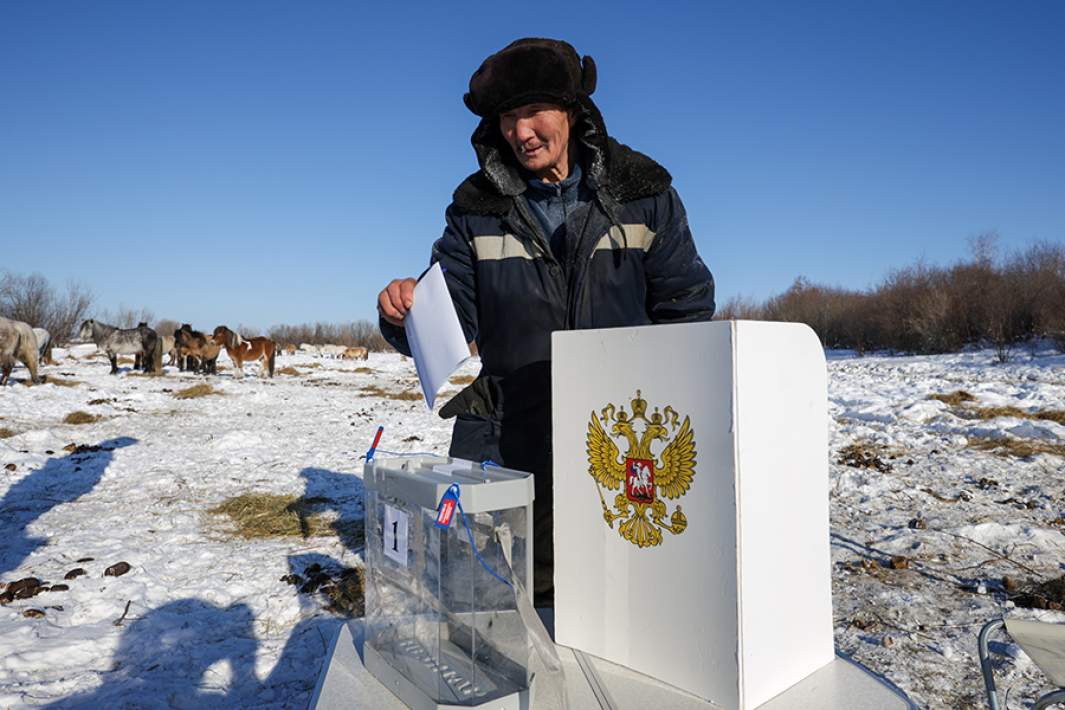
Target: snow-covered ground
[(210, 622)]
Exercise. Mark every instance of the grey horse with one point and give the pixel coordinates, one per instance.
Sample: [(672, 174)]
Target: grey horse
[(44, 345), (141, 340), (17, 342)]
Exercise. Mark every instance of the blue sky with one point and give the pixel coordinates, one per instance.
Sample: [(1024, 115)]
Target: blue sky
[(269, 162)]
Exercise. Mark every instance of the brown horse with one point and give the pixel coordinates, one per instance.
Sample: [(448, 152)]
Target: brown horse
[(356, 354), (195, 350), (242, 350)]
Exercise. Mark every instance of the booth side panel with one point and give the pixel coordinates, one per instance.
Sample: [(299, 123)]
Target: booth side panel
[(651, 585), (782, 461)]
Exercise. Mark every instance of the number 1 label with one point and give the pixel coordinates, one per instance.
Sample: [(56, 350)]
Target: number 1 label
[(395, 537)]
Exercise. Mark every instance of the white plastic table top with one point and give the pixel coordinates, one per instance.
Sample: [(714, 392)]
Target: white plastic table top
[(345, 684)]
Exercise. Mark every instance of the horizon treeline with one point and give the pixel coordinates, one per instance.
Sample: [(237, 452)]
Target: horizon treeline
[(987, 299), (984, 300)]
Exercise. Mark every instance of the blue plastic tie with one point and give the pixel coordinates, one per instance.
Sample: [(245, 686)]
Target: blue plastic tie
[(469, 534)]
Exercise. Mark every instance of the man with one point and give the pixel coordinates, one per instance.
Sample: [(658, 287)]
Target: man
[(561, 228)]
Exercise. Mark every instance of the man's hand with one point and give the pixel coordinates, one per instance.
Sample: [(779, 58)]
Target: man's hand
[(396, 299)]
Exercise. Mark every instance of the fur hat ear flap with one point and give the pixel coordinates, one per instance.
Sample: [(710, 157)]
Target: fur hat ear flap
[(468, 100), (588, 75)]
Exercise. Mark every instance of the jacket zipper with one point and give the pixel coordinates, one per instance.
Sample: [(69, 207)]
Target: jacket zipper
[(539, 240)]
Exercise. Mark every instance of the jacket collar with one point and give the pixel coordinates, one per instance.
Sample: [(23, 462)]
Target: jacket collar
[(622, 173)]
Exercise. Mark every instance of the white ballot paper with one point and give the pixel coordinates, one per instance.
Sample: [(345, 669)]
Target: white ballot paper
[(435, 336)]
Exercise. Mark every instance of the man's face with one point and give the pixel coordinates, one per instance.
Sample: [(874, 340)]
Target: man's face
[(539, 136)]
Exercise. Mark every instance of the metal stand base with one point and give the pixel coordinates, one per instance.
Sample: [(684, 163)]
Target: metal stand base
[(416, 699), (345, 683)]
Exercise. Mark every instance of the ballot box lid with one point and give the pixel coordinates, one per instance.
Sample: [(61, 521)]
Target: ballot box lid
[(423, 480)]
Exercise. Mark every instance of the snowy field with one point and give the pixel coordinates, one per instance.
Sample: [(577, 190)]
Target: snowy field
[(925, 524)]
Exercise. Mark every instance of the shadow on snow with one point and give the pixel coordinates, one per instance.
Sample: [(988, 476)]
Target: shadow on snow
[(61, 480), (192, 653)]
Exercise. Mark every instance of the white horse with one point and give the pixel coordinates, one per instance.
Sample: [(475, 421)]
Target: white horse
[(333, 351), (641, 480), (44, 345), (17, 342)]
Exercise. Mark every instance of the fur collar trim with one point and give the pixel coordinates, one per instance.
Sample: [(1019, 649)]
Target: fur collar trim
[(621, 172)]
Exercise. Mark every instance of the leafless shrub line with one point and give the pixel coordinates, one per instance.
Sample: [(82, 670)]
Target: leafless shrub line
[(983, 300)]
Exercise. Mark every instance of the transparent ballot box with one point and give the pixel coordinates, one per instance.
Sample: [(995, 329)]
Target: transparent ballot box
[(442, 622)]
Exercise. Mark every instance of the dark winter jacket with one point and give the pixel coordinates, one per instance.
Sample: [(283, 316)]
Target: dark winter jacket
[(629, 260)]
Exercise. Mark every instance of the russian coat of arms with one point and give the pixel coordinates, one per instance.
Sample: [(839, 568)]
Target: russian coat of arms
[(641, 479)]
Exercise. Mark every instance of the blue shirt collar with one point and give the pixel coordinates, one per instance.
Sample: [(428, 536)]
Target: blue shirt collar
[(571, 181)]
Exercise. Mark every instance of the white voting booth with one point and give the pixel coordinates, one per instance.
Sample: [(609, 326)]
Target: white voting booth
[(692, 565), (729, 598)]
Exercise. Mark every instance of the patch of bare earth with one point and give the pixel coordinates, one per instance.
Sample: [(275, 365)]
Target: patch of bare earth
[(862, 454), (343, 589)]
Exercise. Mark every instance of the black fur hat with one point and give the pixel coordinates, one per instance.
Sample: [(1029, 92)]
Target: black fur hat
[(528, 71)]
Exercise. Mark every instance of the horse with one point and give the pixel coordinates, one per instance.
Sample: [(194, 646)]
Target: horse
[(330, 350), (169, 349), (250, 350), (138, 361), (209, 357), (356, 354), (309, 348), (17, 342), (289, 349), (196, 351), (44, 346), (114, 341)]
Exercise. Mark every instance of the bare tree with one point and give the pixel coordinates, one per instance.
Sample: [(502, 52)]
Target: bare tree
[(166, 326), (740, 308), (32, 299), (358, 333), (126, 317)]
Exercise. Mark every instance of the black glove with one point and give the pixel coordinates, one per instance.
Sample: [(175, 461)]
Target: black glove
[(481, 398)]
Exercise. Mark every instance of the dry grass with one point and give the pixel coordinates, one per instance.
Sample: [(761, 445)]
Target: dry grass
[(60, 382), (6, 433), (954, 399), (80, 417), (270, 515), (1018, 448), (200, 390), (405, 396), (289, 371), (125, 360), (462, 379), (363, 371), (960, 398), (312, 365), (1054, 415)]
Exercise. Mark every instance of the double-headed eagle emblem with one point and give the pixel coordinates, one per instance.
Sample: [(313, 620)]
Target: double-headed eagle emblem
[(644, 480)]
